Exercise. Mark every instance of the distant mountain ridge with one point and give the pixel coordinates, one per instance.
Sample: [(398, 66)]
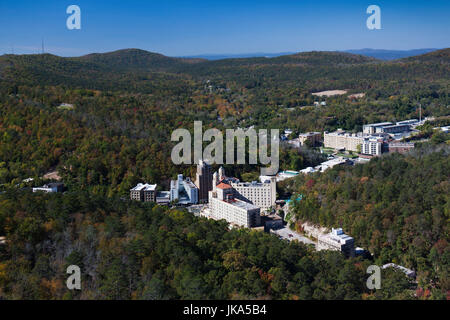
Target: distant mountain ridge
[(222, 56), (123, 69), (384, 54)]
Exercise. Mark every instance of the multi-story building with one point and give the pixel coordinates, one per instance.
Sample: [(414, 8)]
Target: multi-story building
[(223, 205), (143, 192), (337, 240), (371, 128), (183, 190), (389, 127), (261, 194), (395, 128), (313, 138), (203, 181), (372, 146), (342, 140)]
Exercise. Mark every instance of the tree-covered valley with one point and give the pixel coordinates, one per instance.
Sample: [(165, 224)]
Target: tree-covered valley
[(125, 106)]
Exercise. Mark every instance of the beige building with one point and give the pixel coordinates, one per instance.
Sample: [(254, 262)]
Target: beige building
[(342, 140), (314, 138)]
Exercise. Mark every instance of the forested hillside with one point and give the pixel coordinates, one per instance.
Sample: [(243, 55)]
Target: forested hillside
[(126, 104), (396, 206), (132, 251), (115, 132)]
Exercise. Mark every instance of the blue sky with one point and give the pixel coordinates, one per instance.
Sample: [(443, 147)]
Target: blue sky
[(179, 28)]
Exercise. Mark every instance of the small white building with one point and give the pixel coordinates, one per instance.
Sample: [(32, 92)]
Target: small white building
[(50, 188), (410, 273), (337, 240)]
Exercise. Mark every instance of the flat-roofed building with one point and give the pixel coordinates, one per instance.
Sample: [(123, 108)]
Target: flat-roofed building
[(262, 194), (340, 140), (143, 192), (372, 127), (332, 163), (311, 138), (337, 240), (50, 187), (410, 273), (223, 205), (396, 128), (372, 146), (408, 122)]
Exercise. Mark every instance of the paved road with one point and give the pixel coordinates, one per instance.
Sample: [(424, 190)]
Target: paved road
[(288, 234)]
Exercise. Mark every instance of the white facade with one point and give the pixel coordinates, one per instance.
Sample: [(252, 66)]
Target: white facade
[(371, 146), (337, 240), (234, 211), (261, 194), (183, 190), (330, 164)]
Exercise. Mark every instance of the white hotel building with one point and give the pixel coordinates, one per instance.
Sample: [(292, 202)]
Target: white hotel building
[(223, 205), (261, 194)]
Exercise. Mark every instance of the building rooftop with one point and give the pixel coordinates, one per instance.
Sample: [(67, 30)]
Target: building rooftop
[(251, 184), (331, 163), (241, 204), (163, 194), (144, 187), (223, 185), (338, 236), (410, 121), (189, 183), (308, 134), (344, 133), (379, 124), (408, 272), (396, 125)]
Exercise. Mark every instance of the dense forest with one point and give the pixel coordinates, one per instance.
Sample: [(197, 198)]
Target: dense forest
[(125, 104), (396, 206), (131, 250)]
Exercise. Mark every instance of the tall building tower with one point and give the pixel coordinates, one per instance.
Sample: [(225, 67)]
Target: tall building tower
[(203, 181), (221, 173), (215, 181)]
